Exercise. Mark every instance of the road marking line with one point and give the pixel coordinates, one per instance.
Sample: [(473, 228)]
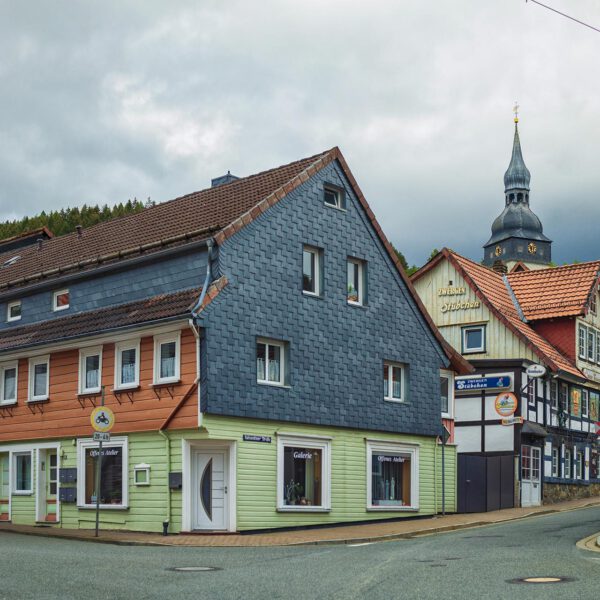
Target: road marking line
[(358, 545)]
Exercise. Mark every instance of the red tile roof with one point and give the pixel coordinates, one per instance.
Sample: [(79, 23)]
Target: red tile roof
[(489, 286), (555, 292)]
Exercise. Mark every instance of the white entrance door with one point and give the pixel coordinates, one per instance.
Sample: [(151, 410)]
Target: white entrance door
[(531, 488), (209, 491)]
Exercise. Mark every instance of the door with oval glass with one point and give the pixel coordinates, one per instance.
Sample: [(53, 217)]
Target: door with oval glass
[(210, 482)]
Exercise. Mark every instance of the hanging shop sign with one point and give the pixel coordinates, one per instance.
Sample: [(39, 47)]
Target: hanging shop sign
[(265, 439), (512, 421), (506, 404), (476, 384), (535, 371), (102, 419)]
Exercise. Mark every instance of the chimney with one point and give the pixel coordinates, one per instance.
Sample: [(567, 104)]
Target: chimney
[(78, 228), (217, 181), (500, 267)]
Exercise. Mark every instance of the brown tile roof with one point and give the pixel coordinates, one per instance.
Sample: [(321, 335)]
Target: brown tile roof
[(199, 214), (96, 321), (492, 291), (555, 292)]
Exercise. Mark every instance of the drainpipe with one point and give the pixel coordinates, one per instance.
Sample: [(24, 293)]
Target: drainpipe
[(167, 520), (198, 305), (196, 331)]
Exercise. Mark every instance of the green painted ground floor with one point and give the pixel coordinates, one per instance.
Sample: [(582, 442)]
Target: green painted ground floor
[(230, 475)]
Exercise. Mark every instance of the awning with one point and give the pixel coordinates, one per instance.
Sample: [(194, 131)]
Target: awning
[(533, 429)]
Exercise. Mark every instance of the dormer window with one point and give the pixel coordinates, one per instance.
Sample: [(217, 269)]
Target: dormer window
[(334, 196), (61, 300), (13, 311)]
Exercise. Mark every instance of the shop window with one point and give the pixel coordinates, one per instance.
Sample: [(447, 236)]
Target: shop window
[(582, 341), (334, 197), (567, 468), (39, 378), (61, 300), (392, 477), (312, 271), (22, 466), (447, 393), (166, 358), (271, 363), (356, 281), (127, 370), (473, 339), (303, 473), (555, 462), (13, 311), (394, 382), (113, 484), (8, 383), (90, 370)]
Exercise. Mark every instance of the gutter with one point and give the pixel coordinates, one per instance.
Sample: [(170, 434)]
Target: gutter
[(198, 306), (167, 520)]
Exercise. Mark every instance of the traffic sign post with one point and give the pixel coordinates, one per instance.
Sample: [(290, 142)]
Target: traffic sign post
[(103, 420)]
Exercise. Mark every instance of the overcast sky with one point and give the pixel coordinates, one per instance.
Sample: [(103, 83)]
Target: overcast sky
[(104, 101)]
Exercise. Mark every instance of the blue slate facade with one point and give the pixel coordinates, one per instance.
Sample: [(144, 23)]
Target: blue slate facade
[(336, 351), (127, 284)]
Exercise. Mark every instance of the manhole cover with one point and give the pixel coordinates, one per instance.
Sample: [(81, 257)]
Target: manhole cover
[(545, 579), (192, 569)]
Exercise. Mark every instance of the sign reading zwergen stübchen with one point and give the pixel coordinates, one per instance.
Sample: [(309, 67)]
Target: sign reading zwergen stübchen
[(476, 384)]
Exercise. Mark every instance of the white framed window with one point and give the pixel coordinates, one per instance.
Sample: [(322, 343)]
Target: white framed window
[(591, 345), (593, 302), (61, 300), (585, 403), (334, 196), (303, 473), (13, 311), (567, 468), (141, 474), (598, 348), (22, 462), (271, 363), (90, 370), (555, 472), (563, 396), (531, 391), (473, 339), (582, 342), (579, 465), (39, 378), (447, 393), (554, 394), (114, 492), (394, 381), (167, 357), (127, 365), (356, 281), (8, 382), (392, 476), (311, 270)]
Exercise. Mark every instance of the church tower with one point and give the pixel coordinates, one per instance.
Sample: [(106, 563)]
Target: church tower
[(517, 234)]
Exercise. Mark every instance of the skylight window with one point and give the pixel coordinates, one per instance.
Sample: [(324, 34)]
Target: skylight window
[(11, 261)]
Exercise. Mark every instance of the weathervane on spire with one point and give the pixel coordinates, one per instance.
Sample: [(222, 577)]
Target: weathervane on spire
[(516, 111)]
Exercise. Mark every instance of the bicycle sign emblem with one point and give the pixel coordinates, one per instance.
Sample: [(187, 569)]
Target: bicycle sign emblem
[(102, 418)]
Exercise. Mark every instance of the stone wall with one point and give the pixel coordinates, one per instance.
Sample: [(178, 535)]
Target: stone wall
[(558, 492)]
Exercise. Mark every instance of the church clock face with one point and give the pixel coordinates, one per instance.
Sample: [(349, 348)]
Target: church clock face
[(532, 248), (498, 251)]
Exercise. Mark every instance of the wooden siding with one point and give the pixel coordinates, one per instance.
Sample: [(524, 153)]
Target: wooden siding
[(500, 341), (67, 414)]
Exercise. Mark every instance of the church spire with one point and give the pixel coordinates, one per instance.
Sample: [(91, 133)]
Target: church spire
[(517, 175)]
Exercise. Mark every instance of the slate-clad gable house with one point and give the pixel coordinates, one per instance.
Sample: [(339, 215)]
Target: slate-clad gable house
[(266, 359)]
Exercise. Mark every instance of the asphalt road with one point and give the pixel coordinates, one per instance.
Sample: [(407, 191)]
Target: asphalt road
[(474, 564)]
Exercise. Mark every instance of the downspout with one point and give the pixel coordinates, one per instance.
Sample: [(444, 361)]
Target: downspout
[(167, 520), (198, 305)]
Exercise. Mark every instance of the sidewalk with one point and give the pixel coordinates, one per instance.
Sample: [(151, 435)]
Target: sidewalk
[(348, 534)]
